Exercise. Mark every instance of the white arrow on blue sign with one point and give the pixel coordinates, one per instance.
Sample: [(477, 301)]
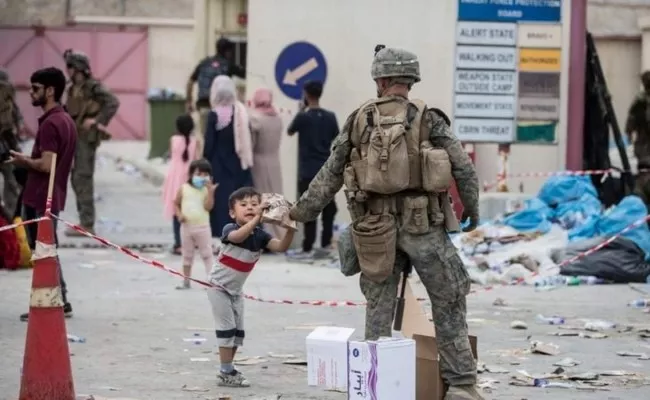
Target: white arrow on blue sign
[(298, 63)]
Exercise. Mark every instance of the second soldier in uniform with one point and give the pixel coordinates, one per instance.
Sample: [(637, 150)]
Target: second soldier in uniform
[(396, 159), (92, 106)]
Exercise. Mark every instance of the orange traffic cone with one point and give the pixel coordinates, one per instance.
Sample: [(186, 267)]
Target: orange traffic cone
[(47, 374)]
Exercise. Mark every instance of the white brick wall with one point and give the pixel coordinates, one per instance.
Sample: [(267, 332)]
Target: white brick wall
[(52, 12)]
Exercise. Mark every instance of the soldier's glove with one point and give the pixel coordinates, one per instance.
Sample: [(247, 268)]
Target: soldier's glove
[(473, 220)]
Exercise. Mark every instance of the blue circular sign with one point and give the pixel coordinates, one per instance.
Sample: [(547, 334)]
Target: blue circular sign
[(298, 63)]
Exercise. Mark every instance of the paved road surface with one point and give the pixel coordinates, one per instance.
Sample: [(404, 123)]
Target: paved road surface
[(135, 321)]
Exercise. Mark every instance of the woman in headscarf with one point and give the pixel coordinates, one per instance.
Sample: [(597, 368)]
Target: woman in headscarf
[(266, 130), (228, 147)]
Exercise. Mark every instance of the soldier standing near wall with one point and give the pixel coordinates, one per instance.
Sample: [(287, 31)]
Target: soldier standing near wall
[(396, 159), (92, 106), (11, 122), (637, 129)]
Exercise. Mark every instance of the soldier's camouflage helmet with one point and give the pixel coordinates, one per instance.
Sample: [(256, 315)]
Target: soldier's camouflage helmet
[(4, 76), (393, 63), (77, 60)]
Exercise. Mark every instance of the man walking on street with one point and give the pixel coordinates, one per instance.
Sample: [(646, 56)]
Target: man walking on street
[(56, 134), (316, 128), (92, 106), (222, 63)]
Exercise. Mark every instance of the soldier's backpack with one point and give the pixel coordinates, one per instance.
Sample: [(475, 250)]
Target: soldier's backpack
[(210, 69), (391, 153)]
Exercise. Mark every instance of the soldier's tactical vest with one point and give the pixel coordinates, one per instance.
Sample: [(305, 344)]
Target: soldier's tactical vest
[(214, 67), (390, 152), (81, 103), (395, 181)]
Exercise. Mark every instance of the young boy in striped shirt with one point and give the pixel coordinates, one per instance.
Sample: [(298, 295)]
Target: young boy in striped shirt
[(242, 245)]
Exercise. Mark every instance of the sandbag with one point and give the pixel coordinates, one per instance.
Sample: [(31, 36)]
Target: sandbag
[(621, 261), (277, 212)]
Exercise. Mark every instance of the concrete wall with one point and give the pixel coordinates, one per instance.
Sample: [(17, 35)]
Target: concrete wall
[(53, 12)]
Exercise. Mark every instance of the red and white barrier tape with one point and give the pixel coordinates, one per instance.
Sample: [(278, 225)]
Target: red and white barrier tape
[(589, 172), (23, 223), (157, 264)]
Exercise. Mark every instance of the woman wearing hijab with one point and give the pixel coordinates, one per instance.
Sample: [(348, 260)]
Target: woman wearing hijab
[(228, 148), (266, 130)]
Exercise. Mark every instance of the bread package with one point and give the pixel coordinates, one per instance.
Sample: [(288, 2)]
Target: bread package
[(278, 211)]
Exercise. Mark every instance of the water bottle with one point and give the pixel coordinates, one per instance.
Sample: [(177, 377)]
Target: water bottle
[(76, 339), (640, 303), (557, 280), (554, 320), (591, 280)]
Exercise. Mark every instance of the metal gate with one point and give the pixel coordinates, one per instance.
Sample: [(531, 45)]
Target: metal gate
[(118, 57)]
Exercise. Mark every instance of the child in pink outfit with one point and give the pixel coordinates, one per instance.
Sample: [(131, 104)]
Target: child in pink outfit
[(182, 151)]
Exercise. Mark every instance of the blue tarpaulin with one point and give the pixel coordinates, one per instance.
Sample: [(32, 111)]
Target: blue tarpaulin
[(572, 202)]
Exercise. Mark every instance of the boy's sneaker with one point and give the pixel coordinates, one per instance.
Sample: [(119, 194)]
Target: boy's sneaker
[(67, 312), (232, 379)]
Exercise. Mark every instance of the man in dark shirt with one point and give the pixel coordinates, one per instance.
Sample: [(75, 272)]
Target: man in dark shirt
[(316, 128), (222, 63), (57, 134)]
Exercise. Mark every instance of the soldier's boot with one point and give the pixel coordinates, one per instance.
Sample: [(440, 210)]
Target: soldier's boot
[(69, 232), (466, 392)]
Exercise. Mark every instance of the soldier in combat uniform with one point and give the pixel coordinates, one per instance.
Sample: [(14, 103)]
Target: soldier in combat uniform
[(397, 159), (637, 129), (11, 123), (92, 106)]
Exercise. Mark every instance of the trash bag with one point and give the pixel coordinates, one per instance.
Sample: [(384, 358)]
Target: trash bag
[(528, 221), (561, 189), (617, 218), (621, 261)]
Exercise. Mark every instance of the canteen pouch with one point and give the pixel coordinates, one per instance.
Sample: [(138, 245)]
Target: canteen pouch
[(415, 214), (347, 253), (436, 169), (375, 240)]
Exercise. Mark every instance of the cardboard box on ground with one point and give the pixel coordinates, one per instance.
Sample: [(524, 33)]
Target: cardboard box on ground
[(416, 325), (335, 363)]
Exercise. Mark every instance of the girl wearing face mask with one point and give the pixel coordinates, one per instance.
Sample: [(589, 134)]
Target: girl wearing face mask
[(193, 203)]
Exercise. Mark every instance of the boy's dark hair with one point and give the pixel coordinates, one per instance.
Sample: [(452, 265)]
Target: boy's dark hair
[(185, 126), (241, 194), (50, 77), (201, 165), (313, 89), (224, 45)]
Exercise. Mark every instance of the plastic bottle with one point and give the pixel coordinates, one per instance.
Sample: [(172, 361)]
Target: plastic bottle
[(640, 303), (591, 280), (557, 280), (76, 339), (554, 320)]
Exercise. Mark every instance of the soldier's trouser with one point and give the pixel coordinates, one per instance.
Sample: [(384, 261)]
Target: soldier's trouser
[(444, 276), (11, 188), (82, 177)]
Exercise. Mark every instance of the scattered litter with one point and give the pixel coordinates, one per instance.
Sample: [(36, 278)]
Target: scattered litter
[(567, 362), (518, 325), (249, 360), (274, 355), (595, 326), (185, 388), (295, 361), (565, 333), (200, 359), (586, 376), (499, 302), (640, 303), (639, 356), (496, 369), (195, 340), (487, 384), (554, 320), (587, 335), (544, 348), (543, 383), (616, 373), (76, 339)]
